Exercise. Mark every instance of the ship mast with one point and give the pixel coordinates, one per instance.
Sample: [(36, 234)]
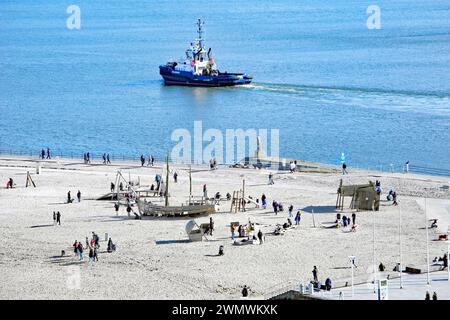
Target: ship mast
[(200, 39)]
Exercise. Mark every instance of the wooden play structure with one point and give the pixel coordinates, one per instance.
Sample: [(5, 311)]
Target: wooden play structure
[(238, 200), (364, 196), (191, 208)]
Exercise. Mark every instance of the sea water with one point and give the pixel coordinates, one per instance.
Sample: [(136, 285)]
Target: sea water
[(323, 78)]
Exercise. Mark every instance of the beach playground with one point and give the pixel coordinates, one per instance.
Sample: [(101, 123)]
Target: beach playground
[(154, 257)]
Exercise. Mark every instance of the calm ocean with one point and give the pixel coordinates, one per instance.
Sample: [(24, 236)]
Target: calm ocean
[(321, 76)]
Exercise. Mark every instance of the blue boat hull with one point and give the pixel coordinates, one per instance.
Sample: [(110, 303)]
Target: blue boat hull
[(183, 78)]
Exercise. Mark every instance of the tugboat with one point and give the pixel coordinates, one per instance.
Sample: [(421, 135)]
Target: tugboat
[(199, 68)]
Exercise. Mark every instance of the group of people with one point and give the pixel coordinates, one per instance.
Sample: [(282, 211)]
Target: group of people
[(86, 157), (106, 159), (245, 231), (69, 197), (346, 221), (213, 164), (392, 196), (56, 218), (277, 207), (150, 162), (92, 245), (45, 154), (316, 283)]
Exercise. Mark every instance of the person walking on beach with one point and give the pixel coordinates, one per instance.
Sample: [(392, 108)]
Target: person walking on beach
[(113, 186), (95, 254), (427, 296), (58, 218), (91, 256), (175, 177), (110, 248), (205, 192), (328, 284), (48, 153), (292, 167), (142, 160), (104, 158), (75, 247), (69, 197), (80, 250), (245, 292), (297, 218), (353, 218), (116, 207), (88, 157), (263, 201), (344, 168), (232, 229), (445, 260), (79, 196), (315, 274), (271, 178), (394, 198), (211, 226), (54, 218), (108, 159), (407, 166), (42, 154), (434, 295), (291, 208), (260, 236), (153, 160), (275, 207)]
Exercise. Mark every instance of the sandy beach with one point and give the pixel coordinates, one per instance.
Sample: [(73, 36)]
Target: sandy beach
[(153, 259)]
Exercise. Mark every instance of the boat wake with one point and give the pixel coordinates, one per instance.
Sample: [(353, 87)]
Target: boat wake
[(414, 101), (301, 89)]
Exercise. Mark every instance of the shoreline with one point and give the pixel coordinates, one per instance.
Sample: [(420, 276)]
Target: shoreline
[(382, 168)]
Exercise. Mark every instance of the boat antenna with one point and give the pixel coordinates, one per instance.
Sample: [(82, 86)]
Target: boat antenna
[(200, 23)]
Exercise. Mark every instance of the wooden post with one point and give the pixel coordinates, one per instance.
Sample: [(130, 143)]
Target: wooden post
[(190, 184), (29, 180), (314, 222)]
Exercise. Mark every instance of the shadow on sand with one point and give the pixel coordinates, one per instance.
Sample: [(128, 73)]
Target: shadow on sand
[(172, 241), (42, 225), (320, 209)]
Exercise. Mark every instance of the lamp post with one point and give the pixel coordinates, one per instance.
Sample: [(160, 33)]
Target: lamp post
[(373, 251), (428, 249), (400, 243), (352, 264), (448, 252)]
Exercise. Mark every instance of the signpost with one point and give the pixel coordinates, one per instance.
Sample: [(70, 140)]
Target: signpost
[(383, 289)]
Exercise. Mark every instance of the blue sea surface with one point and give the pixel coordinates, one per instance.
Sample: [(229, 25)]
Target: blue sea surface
[(325, 80)]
